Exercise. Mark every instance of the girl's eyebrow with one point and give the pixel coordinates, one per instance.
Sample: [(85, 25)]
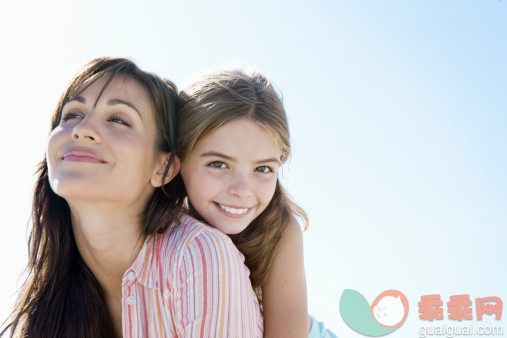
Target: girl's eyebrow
[(217, 154), (111, 102), (213, 153), (268, 160)]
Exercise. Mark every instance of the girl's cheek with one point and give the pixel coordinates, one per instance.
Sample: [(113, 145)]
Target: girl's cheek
[(206, 180), (213, 174), (268, 186), (270, 181)]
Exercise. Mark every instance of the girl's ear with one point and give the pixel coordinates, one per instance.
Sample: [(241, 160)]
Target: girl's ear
[(156, 179)]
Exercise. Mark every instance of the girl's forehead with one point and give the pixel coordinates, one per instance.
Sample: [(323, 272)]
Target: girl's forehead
[(242, 138)]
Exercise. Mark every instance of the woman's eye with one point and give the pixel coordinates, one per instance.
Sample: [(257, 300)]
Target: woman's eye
[(117, 119), (218, 165), (264, 169), (70, 115)]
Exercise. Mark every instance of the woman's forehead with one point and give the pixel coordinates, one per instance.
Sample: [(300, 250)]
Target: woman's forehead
[(119, 87)]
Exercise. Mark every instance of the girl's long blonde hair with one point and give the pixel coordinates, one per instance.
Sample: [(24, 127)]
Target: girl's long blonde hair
[(221, 97)]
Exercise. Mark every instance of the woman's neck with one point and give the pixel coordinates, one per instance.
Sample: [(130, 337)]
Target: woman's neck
[(109, 238)]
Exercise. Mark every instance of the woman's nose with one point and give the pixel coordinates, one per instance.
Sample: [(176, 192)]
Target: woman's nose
[(241, 186), (86, 130)]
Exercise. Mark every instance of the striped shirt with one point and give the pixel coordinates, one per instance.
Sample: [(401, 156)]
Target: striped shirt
[(190, 281)]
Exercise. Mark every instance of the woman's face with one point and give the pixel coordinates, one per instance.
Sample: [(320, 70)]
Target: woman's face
[(105, 149), (231, 175)]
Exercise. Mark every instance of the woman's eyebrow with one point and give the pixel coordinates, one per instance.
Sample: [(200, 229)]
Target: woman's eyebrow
[(113, 102), (77, 98)]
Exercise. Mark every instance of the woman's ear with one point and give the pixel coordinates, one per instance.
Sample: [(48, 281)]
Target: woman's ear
[(156, 179)]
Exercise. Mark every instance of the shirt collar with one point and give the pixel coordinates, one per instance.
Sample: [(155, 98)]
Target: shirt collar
[(146, 266)]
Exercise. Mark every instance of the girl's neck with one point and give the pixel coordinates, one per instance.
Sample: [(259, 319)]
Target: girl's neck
[(109, 238)]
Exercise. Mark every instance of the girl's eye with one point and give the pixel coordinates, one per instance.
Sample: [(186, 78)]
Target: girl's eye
[(264, 169), (119, 120), (218, 165)]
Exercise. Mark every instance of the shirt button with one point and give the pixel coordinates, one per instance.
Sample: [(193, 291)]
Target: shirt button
[(131, 276), (131, 300)]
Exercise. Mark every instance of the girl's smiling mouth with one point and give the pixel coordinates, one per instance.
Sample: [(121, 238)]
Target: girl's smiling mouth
[(235, 212)]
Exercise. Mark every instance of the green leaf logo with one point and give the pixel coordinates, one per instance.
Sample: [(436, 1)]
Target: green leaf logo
[(387, 312)]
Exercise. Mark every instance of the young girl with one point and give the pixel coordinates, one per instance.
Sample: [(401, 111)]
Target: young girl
[(109, 253), (233, 138)]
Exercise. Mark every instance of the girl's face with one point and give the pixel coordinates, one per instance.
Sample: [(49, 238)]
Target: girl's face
[(231, 175), (105, 149)]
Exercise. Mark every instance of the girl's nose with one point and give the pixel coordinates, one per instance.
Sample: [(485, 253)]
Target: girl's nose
[(241, 186), (86, 130)]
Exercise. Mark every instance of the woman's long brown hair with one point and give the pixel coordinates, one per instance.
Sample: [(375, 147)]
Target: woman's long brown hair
[(61, 297), (221, 97)]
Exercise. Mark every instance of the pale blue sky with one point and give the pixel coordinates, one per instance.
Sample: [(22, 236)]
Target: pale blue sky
[(397, 110)]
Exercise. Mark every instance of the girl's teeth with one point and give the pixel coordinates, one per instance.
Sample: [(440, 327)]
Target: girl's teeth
[(233, 211)]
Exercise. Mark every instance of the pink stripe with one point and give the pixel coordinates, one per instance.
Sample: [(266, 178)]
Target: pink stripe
[(130, 321), (205, 282), (193, 279), (144, 314)]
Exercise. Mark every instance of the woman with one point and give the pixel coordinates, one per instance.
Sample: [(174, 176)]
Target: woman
[(109, 253)]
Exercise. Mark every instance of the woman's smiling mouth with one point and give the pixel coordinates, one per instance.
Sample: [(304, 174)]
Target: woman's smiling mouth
[(82, 155)]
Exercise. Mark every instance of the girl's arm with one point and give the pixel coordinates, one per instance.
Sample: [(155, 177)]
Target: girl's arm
[(284, 293)]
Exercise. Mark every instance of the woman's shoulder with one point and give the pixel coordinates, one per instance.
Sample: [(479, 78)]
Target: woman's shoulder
[(186, 229), (187, 245)]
